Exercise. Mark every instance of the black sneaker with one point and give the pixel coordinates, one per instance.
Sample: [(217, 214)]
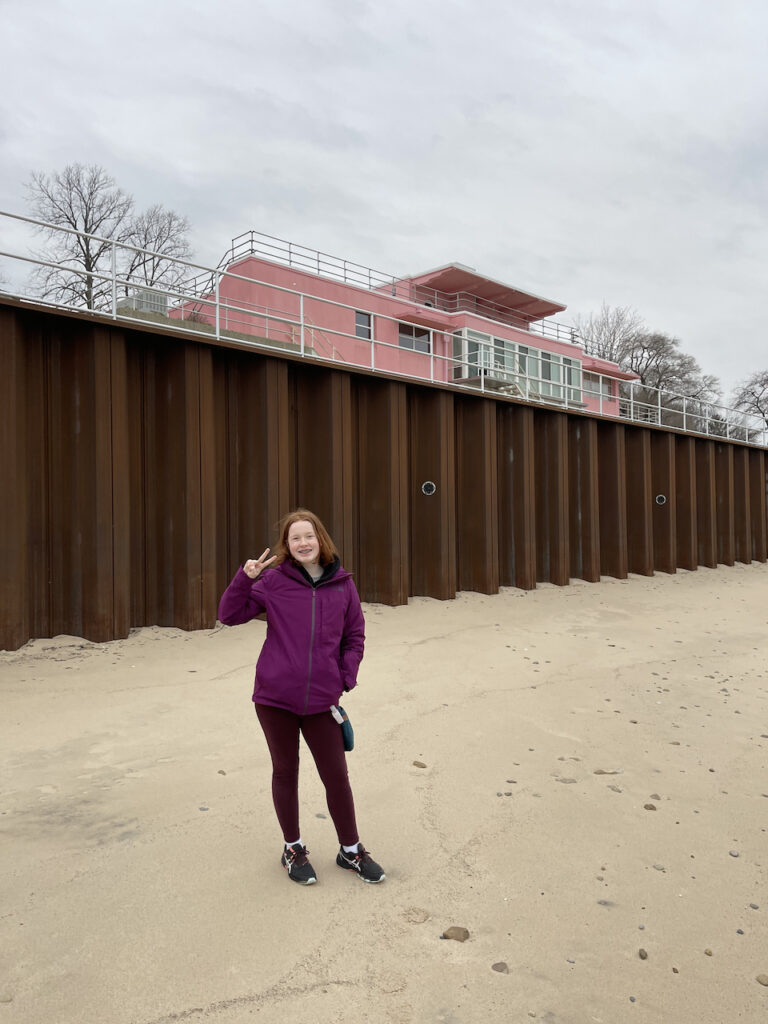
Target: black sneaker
[(294, 860), (362, 863)]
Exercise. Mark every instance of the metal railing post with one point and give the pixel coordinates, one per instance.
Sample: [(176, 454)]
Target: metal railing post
[(632, 400), (432, 355), (218, 307), (301, 323), (658, 402), (114, 283), (684, 413)]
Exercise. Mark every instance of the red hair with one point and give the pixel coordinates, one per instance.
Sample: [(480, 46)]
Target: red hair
[(302, 515)]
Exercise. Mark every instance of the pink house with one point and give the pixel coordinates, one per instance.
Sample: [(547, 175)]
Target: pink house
[(449, 325)]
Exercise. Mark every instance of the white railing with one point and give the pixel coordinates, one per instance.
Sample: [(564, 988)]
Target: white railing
[(181, 307), (311, 261)]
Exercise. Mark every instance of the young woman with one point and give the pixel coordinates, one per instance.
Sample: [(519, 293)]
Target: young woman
[(313, 648)]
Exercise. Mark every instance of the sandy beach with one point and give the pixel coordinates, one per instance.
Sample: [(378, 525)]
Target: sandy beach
[(577, 776)]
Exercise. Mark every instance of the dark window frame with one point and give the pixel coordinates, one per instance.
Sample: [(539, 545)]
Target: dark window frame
[(363, 329), (413, 337)]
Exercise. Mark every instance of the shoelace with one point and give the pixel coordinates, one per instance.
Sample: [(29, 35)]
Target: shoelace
[(296, 857)]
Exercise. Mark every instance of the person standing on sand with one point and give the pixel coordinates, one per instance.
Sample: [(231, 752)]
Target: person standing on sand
[(311, 654)]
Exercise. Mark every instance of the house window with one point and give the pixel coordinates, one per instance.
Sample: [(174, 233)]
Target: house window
[(572, 376), (596, 384), (363, 326), (410, 336)]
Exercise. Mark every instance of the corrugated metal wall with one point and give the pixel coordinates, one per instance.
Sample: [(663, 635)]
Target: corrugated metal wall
[(139, 469)]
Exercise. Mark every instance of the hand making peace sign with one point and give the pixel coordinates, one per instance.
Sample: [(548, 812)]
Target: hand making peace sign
[(254, 566)]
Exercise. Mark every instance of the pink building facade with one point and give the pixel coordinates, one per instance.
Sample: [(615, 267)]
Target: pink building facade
[(450, 325)]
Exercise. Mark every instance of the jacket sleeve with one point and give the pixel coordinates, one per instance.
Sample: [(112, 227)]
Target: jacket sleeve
[(352, 640), (243, 599)]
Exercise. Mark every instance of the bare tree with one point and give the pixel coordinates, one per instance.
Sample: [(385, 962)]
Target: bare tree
[(159, 237), (610, 334), (657, 360), (751, 396), (88, 201)]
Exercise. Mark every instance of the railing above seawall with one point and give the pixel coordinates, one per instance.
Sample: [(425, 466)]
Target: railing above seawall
[(173, 300)]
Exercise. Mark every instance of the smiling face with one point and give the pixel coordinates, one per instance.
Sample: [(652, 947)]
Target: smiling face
[(303, 543)]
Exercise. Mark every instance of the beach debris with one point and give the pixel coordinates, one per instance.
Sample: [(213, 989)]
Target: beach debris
[(632, 999), (707, 952), (649, 807), (566, 782), (659, 867), (500, 967), (321, 815), (753, 906), (606, 903), (675, 970), (615, 788), (739, 931), (419, 764), (655, 796), (570, 960), (762, 979), (456, 932), (643, 954), (203, 808), (608, 771), (734, 853), (221, 772)]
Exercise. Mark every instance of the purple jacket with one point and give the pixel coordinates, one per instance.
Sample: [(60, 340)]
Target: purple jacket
[(315, 635)]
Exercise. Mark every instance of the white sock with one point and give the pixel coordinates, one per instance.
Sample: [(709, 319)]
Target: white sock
[(349, 849), (297, 842)]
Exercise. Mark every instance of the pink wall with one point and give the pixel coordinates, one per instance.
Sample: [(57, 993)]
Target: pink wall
[(264, 310)]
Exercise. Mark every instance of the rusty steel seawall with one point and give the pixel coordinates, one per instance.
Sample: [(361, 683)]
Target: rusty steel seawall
[(140, 468)]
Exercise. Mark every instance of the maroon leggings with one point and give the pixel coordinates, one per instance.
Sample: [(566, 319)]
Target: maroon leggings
[(323, 737)]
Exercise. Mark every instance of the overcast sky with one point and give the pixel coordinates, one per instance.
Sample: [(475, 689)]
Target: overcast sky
[(586, 151)]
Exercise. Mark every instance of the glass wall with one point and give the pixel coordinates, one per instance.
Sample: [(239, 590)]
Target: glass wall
[(508, 363)]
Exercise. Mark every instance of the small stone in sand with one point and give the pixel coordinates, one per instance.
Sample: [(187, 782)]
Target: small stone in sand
[(649, 807), (763, 979), (753, 906), (419, 764), (501, 967), (566, 782), (707, 952), (456, 932), (655, 796), (610, 771), (643, 954), (734, 853), (221, 771)]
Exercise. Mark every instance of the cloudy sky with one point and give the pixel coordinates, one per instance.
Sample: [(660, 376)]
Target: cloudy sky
[(589, 151)]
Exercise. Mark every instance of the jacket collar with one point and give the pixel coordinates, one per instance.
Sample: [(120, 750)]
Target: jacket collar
[(297, 572)]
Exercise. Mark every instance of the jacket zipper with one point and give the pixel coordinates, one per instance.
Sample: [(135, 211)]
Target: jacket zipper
[(311, 643)]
